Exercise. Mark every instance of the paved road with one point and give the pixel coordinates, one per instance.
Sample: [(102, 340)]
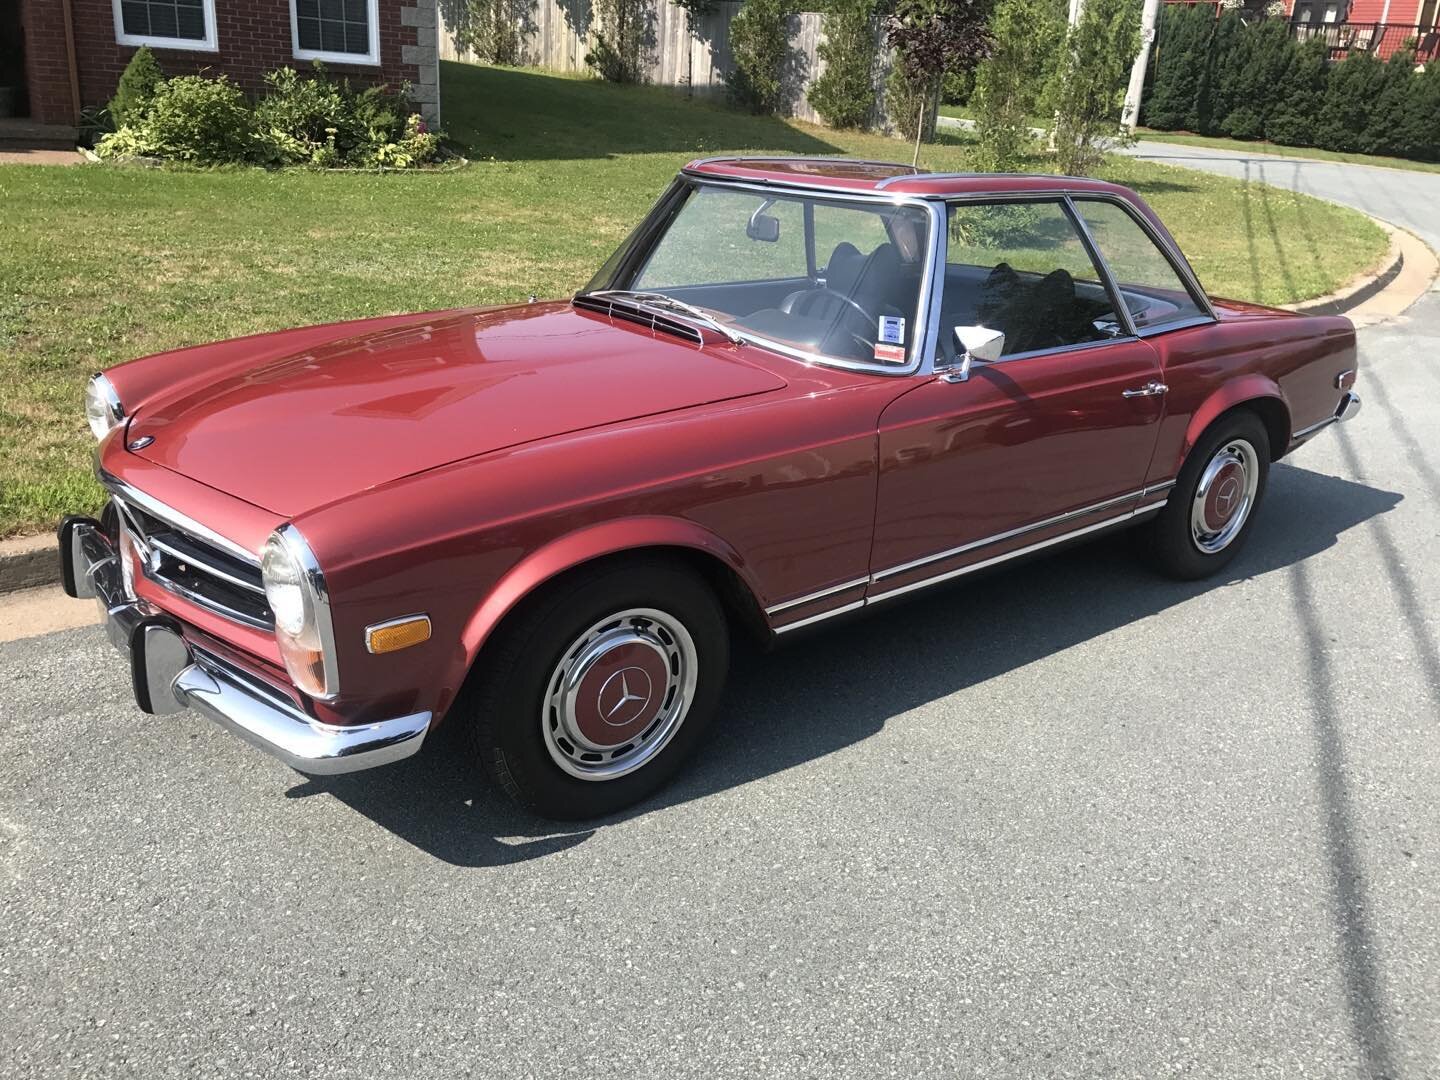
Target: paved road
[(1069, 821), (1401, 197)]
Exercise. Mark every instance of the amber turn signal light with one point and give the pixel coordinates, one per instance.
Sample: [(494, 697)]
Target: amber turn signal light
[(397, 633)]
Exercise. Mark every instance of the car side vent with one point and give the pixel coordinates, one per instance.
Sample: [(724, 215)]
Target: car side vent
[(631, 311)]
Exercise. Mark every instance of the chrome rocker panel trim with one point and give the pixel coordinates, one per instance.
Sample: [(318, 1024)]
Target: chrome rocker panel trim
[(970, 568), (177, 676)]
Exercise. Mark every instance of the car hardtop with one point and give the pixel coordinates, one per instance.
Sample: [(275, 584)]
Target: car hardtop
[(867, 177)]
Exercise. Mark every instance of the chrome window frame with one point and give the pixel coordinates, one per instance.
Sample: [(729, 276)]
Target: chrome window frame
[(1092, 251), (922, 349), (1168, 251)]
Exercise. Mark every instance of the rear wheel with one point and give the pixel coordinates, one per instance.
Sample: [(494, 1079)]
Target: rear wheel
[(594, 694), (1212, 507)]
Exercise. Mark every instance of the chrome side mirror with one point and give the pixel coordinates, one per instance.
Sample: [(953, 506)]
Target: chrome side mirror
[(975, 343)]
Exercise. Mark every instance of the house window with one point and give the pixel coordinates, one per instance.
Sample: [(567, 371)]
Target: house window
[(340, 31), (1332, 13), (166, 24)]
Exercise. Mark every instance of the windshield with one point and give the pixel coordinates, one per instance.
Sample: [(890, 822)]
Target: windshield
[(826, 278)]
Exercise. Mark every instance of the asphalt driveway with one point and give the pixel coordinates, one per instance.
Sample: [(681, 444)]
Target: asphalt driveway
[(1070, 820)]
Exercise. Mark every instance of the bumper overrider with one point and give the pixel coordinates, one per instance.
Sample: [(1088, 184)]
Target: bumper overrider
[(169, 674)]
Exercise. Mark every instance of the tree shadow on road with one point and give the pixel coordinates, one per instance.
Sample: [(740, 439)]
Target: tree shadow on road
[(835, 688)]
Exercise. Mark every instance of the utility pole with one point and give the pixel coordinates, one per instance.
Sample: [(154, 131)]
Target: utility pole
[(1130, 115)]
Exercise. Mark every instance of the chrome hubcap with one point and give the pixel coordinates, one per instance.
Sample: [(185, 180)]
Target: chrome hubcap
[(1225, 496), (619, 694)]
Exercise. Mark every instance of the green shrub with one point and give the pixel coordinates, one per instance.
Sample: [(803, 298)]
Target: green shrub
[(761, 48), (844, 95), (903, 100), (138, 82), (1383, 134), (1346, 108), (957, 87), (1257, 66), (1418, 133), (191, 119), (1181, 51), (1090, 81), (1292, 115), (621, 44), (299, 120), (1010, 84), (314, 121)]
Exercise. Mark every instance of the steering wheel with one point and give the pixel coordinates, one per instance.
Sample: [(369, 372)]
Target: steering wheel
[(799, 303)]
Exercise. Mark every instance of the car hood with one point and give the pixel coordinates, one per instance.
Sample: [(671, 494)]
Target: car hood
[(315, 425)]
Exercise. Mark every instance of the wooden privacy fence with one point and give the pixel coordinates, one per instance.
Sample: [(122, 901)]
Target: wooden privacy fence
[(680, 50)]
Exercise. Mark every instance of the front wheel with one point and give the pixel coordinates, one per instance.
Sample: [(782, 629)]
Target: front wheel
[(1212, 506), (593, 696)]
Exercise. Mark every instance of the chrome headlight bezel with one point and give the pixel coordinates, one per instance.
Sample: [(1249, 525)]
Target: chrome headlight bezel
[(104, 411), (296, 592)]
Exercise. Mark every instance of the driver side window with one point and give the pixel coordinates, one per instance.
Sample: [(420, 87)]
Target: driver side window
[(1022, 269)]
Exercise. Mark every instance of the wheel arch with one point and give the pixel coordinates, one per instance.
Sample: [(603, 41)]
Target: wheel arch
[(710, 557), (1257, 393)]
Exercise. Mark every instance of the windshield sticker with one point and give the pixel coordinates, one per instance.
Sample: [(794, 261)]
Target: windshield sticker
[(892, 330), (892, 354)]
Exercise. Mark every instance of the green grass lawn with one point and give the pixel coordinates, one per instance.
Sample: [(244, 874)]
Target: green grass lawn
[(1256, 147), (102, 264)]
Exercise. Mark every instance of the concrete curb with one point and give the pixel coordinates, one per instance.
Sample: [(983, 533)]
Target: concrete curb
[(28, 561), (1361, 288)]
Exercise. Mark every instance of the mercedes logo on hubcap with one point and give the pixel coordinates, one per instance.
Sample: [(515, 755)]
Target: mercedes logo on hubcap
[(623, 695), (1227, 494)]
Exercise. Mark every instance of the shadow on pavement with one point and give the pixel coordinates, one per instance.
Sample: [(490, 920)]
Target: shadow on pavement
[(834, 688)]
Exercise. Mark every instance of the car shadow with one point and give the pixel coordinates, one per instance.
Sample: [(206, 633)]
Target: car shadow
[(833, 688)]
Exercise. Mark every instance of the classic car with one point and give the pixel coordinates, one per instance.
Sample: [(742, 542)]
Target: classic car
[(801, 388)]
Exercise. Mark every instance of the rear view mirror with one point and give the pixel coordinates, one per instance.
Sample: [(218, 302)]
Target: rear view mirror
[(976, 343), (763, 226)]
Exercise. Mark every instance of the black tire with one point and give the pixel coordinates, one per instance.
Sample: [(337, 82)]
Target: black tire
[(1171, 539), (517, 676)]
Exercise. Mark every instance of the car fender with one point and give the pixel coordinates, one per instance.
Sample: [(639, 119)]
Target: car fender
[(1238, 391), (585, 545)]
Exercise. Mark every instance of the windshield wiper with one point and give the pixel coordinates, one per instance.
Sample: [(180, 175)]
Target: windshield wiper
[(661, 300)]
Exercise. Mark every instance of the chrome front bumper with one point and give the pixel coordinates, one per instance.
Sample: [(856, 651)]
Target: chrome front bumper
[(169, 675)]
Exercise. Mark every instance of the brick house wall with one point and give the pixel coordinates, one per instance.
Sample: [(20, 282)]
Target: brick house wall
[(252, 37)]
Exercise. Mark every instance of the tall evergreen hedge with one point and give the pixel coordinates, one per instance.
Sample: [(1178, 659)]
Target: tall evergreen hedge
[(1253, 80)]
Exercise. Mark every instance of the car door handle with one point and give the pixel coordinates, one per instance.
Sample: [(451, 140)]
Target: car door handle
[(1150, 389)]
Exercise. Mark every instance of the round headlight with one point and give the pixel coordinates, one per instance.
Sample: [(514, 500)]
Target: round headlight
[(295, 589), (103, 410), (284, 586)]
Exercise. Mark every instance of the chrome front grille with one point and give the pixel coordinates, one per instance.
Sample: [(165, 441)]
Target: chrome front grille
[(193, 567)]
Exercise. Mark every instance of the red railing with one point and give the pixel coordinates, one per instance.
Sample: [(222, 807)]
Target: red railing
[(1381, 39)]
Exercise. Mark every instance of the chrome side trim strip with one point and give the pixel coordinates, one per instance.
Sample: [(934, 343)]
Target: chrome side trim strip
[(823, 615), (184, 523), (1152, 489), (1058, 519), (1313, 428), (775, 609), (971, 568), (995, 560)]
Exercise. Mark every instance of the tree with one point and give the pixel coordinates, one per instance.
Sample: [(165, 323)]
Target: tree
[(1349, 98), (1182, 47), (761, 48), (1292, 115), (1256, 67), (931, 39), (845, 93), (1089, 85), (1418, 134), (1009, 85)]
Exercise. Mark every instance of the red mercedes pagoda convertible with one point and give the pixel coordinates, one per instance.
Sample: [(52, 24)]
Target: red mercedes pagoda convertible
[(802, 387)]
